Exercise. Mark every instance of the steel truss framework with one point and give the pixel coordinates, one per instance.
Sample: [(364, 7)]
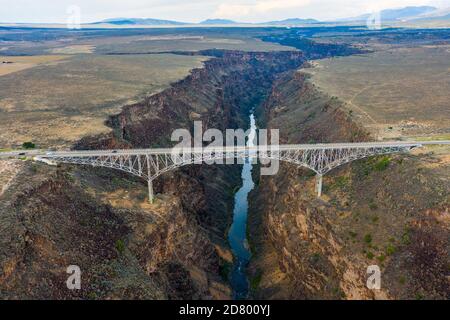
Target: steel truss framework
[(151, 163)]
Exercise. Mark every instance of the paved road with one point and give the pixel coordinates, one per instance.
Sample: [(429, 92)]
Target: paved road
[(21, 153), (327, 146)]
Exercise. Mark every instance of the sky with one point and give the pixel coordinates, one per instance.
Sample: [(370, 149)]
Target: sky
[(58, 11)]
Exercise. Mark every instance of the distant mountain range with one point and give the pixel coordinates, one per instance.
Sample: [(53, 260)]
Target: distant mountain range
[(208, 22), (422, 13), (294, 21), (405, 14), (395, 14), (442, 14), (218, 21), (139, 21)]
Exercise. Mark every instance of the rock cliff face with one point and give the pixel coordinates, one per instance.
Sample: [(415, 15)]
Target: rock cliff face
[(220, 95), (391, 211), (98, 219), (61, 217)]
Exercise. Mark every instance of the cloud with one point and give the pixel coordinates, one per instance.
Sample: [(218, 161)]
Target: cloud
[(227, 10), (197, 10), (390, 4)]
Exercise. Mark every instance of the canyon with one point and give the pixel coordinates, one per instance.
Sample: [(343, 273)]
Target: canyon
[(388, 211), (174, 249)]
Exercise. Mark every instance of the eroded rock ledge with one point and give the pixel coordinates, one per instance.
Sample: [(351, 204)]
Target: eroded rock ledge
[(175, 249), (390, 211)]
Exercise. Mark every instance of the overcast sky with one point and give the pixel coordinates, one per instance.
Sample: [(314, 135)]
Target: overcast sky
[(197, 10)]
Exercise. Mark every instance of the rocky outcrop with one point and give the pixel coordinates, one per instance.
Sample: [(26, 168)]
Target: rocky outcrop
[(220, 95), (388, 211), (52, 222), (175, 248), (49, 224)]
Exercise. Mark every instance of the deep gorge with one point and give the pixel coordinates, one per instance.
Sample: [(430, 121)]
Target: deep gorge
[(221, 95), (302, 247), (309, 248)]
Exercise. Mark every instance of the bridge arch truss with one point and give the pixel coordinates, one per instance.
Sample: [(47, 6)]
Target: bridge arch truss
[(149, 164)]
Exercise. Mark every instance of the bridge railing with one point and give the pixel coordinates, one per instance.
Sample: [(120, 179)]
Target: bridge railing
[(151, 163)]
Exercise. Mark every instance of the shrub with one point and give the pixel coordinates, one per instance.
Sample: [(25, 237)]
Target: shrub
[(92, 296), (342, 182), (120, 246), (255, 281), (374, 164), (373, 205), (338, 292), (406, 238), (315, 258), (382, 164), (368, 238), (28, 145), (390, 249), (369, 255), (224, 270), (69, 177), (141, 196), (419, 296)]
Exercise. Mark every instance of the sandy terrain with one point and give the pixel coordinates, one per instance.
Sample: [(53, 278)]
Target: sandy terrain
[(10, 64), (8, 171), (55, 105)]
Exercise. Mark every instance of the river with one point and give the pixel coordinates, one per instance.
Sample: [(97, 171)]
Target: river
[(237, 235)]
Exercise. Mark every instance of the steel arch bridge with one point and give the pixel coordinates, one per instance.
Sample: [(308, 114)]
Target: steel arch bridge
[(149, 164)]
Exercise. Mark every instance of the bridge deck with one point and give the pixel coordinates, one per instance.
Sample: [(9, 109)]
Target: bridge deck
[(322, 146), (150, 163)]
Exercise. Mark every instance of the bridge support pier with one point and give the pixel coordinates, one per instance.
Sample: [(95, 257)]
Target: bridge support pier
[(150, 192), (319, 182)]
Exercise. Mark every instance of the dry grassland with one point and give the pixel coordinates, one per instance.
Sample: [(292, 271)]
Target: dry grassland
[(402, 92), (57, 104), (10, 64)]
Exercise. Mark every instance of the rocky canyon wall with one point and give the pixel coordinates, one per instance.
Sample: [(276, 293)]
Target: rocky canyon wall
[(388, 211), (99, 219)]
